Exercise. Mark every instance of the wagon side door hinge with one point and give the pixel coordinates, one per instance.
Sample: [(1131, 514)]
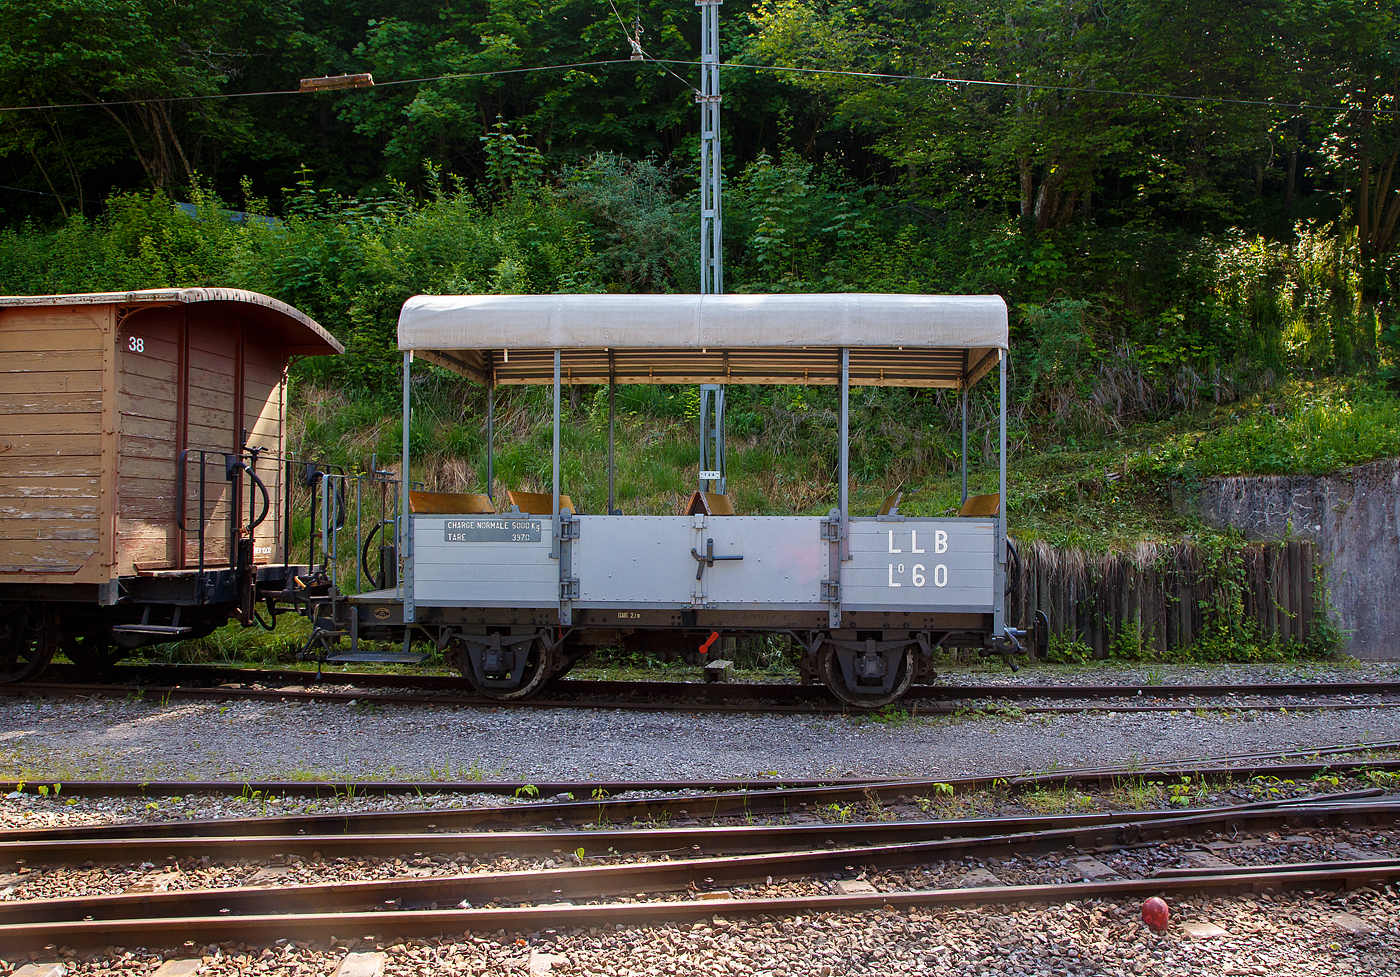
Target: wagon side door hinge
[(833, 528), (568, 582), (568, 526)]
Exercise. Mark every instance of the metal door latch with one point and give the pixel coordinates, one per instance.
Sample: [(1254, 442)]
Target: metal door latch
[(709, 558)]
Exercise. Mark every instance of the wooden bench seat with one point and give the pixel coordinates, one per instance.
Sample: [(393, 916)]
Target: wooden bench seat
[(539, 503), (709, 504), (981, 505), (449, 503)]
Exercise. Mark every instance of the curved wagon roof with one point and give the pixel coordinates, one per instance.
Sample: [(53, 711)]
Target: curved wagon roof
[(894, 339), (296, 332)]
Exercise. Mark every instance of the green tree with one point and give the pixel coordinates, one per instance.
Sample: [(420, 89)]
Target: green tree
[(152, 63)]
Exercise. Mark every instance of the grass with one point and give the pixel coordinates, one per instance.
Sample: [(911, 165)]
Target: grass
[(1061, 800), (1097, 491)]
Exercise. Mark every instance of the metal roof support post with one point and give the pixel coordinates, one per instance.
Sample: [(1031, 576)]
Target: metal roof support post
[(406, 516), (711, 213), (554, 519), (999, 613), (845, 449), (612, 438), (490, 438), (964, 438)]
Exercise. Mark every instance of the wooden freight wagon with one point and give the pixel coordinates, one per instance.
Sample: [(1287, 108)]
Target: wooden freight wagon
[(142, 434)]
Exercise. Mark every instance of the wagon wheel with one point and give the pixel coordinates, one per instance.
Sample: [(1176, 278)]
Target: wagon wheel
[(831, 675), (539, 665), (91, 652), (28, 640)]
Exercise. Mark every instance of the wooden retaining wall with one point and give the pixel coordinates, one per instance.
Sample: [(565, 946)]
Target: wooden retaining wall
[(1170, 594)]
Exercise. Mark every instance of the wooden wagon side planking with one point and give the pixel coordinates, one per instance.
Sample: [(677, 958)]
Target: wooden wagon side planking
[(100, 396)]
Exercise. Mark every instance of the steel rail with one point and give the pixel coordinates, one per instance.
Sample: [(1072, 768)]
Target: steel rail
[(748, 690), (623, 810), (423, 788), (1093, 830), (263, 928), (223, 693), (1275, 756), (599, 881)]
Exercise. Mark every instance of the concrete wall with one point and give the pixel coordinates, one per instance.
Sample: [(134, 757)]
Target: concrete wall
[(1353, 517)]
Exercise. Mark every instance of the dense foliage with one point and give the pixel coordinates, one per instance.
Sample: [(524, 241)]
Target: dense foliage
[(1161, 255)]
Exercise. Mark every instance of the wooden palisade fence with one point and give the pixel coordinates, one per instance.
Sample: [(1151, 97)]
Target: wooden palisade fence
[(1168, 597)]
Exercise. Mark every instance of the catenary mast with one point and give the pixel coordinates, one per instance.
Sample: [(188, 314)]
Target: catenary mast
[(711, 214)]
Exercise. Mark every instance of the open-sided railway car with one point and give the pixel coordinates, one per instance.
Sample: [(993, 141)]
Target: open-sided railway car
[(142, 437), (514, 588)]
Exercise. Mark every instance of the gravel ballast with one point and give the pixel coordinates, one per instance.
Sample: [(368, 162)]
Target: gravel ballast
[(1306, 933), (120, 739), (1280, 936)]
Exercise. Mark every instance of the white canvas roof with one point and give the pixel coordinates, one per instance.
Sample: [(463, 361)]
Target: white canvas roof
[(895, 340)]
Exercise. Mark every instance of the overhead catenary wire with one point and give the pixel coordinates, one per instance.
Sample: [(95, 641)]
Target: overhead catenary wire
[(46, 193), (663, 63)]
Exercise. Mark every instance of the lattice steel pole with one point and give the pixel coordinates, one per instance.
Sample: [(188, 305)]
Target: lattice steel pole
[(711, 213)]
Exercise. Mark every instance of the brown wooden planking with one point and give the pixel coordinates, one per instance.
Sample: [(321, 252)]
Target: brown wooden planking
[(162, 509), (210, 439), (49, 487), (208, 341), (211, 364), (136, 466), (207, 380), (156, 348), (155, 449), (52, 361), (266, 374), (265, 439), (30, 425), (63, 556), (136, 385), (136, 485), (47, 509), (77, 402), (262, 393), (104, 565), (49, 466), (214, 400), (265, 423), (69, 529), (212, 417), (150, 368), (71, 337), (214, 333), (149, 411), (154, 551), (146, 427), (48, 446), (157, 409), (69, 381)]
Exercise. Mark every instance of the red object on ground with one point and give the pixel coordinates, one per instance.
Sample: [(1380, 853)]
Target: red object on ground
[(1155, 913), (705, 648)]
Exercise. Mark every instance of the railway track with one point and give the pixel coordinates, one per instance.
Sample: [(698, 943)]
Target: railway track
[(682, 876), (164, 683)]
